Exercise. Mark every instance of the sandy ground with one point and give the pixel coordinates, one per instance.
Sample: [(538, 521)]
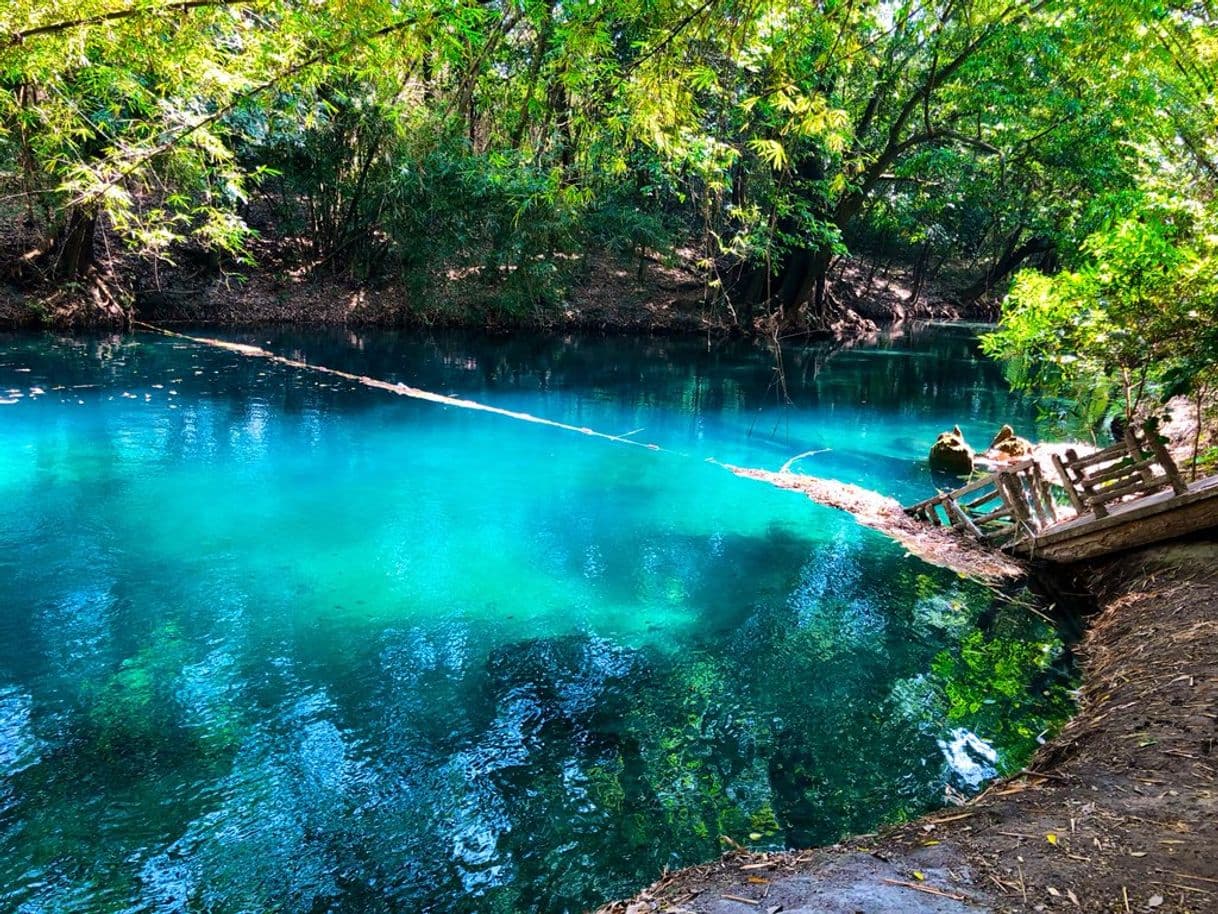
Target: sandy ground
[(1117, 813)]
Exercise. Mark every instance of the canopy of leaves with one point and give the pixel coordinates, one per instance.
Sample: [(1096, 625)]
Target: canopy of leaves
[(509, 137), (1131, 319)]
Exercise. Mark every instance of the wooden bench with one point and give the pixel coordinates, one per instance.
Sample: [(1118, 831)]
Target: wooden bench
[(1135, 466)]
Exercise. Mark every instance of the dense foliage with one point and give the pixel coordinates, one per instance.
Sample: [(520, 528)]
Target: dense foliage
[(507, 140), (1130, 321)]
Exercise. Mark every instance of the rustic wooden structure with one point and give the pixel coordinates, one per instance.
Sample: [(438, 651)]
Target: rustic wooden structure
[(1140, 522), (1134, 467), (1126, 495), (1000, 508)]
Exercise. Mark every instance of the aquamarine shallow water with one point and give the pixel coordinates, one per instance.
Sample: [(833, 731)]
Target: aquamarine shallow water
[(271, 641)]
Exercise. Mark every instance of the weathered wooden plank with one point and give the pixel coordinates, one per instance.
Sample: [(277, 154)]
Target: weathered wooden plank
[(1136, 451), (1004, 511), (959, 517), (1068, 484), (1087, 492), (1165, 461), (1015, 498), (1044, 492), (1165, 517), (1139, 467), (1135, 487), (1032, 485), (1112, 452), (926, 503), (977, 502)]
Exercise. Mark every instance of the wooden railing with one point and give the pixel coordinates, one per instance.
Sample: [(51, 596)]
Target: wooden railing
[(1136, 466), (1014, 504), (1001, 508)]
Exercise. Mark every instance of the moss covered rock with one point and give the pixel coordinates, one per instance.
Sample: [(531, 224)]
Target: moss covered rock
[(951, 453), (1009, 446)]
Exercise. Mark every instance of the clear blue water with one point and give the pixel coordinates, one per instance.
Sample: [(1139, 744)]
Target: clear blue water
[(271, 641)]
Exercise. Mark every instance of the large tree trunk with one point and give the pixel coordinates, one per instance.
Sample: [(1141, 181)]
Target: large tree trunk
[(72, 251), (802, 276), (1004, 266)]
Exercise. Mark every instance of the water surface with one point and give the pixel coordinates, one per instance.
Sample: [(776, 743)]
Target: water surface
[(272, 641)]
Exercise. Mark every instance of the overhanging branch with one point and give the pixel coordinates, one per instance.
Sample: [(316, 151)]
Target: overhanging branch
[(16, 38)]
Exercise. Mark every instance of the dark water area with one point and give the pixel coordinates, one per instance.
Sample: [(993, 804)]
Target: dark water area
[(274, 641)]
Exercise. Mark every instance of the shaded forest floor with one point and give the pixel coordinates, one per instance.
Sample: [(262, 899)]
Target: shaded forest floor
[(598, 291), (1117, 813)]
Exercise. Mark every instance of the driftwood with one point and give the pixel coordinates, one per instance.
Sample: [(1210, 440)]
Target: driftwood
[(937, 546)]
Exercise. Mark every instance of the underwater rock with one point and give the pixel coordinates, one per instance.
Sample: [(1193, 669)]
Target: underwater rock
[(1009, 446), (951, 454)]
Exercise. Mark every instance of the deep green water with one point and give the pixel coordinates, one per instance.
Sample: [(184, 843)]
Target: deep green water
[(270, 642)]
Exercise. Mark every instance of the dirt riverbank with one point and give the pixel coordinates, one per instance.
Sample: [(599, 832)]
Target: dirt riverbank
[(1120, 814), (600, 292)]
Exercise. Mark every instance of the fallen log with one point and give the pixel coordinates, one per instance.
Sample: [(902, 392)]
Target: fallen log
[(935, 545)]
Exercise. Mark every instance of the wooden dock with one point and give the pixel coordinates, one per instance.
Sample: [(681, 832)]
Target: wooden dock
[(1127, 495)]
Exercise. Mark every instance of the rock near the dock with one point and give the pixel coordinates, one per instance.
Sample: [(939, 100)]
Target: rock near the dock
[(1009, 446), (951, 454)]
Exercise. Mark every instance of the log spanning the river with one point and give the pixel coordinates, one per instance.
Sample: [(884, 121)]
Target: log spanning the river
[(398, 389), (936, 545)]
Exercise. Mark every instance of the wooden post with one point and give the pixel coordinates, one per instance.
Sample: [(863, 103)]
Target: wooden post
[(1026, 482), (1045, 493), (1164, 458), (1069, 484), (959, 517), (1088, 489), (1013, 490), (1135, 454)]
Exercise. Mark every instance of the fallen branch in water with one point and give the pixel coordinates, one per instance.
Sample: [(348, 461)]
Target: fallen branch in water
[(936, 545), (786, 467)]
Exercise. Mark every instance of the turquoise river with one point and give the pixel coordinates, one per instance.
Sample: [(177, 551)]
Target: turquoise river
[(274, 641)]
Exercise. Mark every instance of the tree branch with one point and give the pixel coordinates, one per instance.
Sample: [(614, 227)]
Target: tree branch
[(670, 37), (240, 98), (16, 38)]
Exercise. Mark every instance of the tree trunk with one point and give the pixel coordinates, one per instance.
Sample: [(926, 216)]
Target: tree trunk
[(72, 252), (802, 276), (540, 48), (919, 274), (1011, 258)]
